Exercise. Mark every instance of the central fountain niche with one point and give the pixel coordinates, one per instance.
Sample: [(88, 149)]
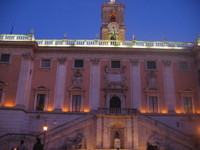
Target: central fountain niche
[(117, 138)]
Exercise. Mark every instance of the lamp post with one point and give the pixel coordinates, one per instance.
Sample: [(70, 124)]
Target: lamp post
[(45, 128)]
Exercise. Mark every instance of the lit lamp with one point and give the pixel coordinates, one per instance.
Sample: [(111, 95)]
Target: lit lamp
[(45, 128)]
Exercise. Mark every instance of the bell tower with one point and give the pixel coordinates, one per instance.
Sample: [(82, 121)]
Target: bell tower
[(113, 27)]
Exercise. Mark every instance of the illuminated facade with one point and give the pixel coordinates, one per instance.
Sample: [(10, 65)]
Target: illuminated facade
[(100, 94)]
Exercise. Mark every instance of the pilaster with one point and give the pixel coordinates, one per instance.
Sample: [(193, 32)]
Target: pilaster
[(60, 84), (24, 82), (169, 85), (94, 84), (135, 84), (135, 133), (99, 134), (129, 139)]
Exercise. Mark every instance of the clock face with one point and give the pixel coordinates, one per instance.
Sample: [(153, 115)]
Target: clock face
[(113, 27)]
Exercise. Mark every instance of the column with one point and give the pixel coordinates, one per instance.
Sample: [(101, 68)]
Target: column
[(135, 133), (60, 84), (169, 86), (24, 82), (94, 84), (135, 84)]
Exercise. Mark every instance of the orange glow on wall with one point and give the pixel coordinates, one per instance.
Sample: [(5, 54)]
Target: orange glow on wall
[(143, 111), (164, 111), (49, 109), (198, 112), (86, 110), (65, 110), (178, 111), (9, 104)]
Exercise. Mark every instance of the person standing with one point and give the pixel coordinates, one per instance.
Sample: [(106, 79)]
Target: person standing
[(38, 145), (21, 146)]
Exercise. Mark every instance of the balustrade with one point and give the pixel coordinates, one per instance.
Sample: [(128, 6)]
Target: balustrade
[(117, 111), (99, 43)]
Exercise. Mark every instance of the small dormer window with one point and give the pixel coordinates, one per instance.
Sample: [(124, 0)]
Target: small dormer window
[(5, 58), (115, 64), (151, 65), (46, 63), (78, 63)]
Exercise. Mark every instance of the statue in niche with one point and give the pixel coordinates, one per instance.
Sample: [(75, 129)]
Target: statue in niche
[(77, 78), (78, 142), (117, 142), (152, 79)]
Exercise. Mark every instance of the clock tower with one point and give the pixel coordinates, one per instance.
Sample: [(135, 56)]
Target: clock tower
[(113, 27)]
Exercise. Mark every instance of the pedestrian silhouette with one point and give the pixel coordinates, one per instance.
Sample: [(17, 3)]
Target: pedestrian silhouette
[(21, 146), (38, 145)]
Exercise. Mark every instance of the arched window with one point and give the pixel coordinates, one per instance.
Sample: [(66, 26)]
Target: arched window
[(115, 102)]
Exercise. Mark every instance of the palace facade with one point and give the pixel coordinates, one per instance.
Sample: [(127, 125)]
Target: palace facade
[(100, 94)]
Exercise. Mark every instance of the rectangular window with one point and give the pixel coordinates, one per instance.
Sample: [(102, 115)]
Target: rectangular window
[(40, 103), (187, 101), (115, 64), (183, 66), (5, 58), (1, 97), (153, 104), (151, 65), (46, 63), (78, 63), (76, 103)]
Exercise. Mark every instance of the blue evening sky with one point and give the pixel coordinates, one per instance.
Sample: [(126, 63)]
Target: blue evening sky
[(148, 20)]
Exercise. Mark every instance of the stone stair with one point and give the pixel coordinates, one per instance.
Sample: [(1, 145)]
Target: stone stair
[(173, 134)]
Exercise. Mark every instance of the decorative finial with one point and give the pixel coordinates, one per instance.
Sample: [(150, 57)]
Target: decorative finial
[(65, 36), (32, 31), (133, 37), (97, 36), (165, 38), (198, 35)]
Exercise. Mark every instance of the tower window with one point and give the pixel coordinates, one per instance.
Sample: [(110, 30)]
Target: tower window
[(187, 101), (40, 103), (46, 63), (153, 104), (76, 103), (78, 63), (5, 58), (115, 64), (183, 66), (112, 18), (151, 65)]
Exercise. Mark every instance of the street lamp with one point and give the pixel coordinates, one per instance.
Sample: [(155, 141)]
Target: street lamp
[(45, 128)]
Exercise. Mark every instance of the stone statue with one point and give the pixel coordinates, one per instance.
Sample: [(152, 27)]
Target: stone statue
[(152, 79), (77, 78), (117, 141), (117, 134)]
